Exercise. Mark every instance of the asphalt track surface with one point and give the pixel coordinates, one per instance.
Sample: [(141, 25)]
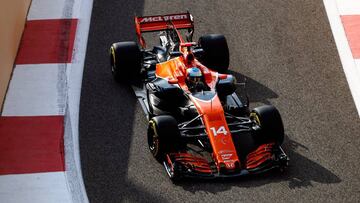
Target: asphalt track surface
[(286, 51)]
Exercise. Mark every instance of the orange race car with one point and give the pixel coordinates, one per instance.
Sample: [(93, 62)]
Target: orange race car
[(198, 125)]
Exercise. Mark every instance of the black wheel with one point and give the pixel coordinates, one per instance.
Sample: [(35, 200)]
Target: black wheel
[(268, 118), (216, 52), (125, 60), (163, 136)]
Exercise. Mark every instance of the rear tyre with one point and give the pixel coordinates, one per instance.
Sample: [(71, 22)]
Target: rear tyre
[(268, 118), (125, 61), (216, 52), (163, 136)]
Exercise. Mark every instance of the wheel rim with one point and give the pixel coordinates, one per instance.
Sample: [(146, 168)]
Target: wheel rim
[(254, 117), (153, 138), (112, 59)]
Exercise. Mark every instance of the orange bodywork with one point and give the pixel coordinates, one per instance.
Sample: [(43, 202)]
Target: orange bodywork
[(223, 146), (259, 156), (212, 112)]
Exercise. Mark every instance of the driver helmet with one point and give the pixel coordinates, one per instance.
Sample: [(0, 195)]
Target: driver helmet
[(194, 76)]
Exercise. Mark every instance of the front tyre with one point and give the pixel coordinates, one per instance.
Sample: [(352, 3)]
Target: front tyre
[(268, 118), (125, 61), (163, 136)]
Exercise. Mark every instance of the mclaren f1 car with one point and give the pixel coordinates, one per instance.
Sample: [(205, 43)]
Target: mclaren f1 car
[(198, 125)]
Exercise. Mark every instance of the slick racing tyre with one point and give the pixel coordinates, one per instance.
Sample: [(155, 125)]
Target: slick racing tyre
[(216, 52), (268, 118), (125, 60), (163, 136)]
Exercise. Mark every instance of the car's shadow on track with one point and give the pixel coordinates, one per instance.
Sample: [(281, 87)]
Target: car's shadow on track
[(107, 110), (256, 91), (302, 171)]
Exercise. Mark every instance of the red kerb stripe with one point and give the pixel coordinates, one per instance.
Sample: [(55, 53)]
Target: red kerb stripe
[(31, 144), (352, 28), (47, 41)]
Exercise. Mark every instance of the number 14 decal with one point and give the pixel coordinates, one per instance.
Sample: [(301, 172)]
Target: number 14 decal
[(220, 130)]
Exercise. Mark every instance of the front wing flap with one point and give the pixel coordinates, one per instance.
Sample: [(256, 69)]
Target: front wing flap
[(266, 157)]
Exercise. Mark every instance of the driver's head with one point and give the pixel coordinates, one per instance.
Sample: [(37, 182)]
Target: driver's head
[(194, 76)]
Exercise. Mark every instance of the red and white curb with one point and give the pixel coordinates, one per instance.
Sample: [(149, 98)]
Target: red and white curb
[(344, 18), (39, 153)]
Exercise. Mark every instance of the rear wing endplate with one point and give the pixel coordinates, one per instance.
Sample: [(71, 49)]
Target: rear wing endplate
[(162, 22)]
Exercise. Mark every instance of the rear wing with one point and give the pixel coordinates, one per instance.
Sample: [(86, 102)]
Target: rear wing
[(162, 22)]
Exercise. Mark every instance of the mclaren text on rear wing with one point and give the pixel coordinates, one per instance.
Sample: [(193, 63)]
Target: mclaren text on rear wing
[(162, 22)]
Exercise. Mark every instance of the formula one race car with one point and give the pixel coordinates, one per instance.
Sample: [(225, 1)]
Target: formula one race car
[(198, 125)]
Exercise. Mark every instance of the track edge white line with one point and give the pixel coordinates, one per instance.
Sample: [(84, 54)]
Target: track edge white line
[(346, 58)]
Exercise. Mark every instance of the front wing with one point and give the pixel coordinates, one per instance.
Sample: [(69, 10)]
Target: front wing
[(266, 157)]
